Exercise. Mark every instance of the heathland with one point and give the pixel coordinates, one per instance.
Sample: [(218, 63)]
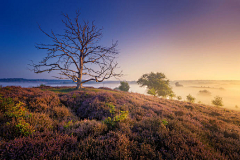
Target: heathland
[(64, 123)]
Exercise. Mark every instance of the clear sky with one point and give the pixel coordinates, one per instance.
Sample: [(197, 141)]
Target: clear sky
[(185, 39)]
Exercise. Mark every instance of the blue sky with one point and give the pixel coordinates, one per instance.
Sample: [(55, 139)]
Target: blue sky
[(184, 39)]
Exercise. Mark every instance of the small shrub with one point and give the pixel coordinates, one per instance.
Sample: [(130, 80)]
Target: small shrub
[(172, 95), (124, 86), (190, 98), (116, 118), (149, 126), (42, 101), (164, 122), (41, 122), (112, 122), (24, 128), (233, 135), (42, 85), (204, 92), (5, 104), (217, 101), (111, 108), (75, 96), (189, 107), (105, 88), (17, 111), (122, 116), (179, 113), (215, 114), (68, 124), (8, 88), (47, 145), (16, 116), (84, 128), (106, 97), (60, 113), (179, 98)]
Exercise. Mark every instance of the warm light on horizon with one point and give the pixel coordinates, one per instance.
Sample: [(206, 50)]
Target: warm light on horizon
[(189, 40)]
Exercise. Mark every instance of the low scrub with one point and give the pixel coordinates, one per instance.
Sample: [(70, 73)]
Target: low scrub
[(37, 123)]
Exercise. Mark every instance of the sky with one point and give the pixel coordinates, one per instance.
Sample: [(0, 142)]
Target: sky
[(184, 39)]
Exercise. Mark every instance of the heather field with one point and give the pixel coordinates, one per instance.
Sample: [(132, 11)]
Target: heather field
[(64, 123)]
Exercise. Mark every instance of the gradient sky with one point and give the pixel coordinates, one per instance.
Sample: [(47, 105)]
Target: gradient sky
[(185, 39)]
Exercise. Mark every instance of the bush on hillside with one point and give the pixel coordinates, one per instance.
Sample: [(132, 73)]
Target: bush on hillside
[(190, 98), (124, 86), (154, 128), (217, 101)]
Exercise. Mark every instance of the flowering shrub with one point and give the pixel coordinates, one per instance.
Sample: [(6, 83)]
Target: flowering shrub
[(47, 145), (41, 122), (60, 113), (36, 123), (82, 129)]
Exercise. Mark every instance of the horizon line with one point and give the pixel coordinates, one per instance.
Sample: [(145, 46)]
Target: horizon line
[(130, 80)]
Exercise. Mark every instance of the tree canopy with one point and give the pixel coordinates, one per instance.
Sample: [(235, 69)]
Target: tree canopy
[(124, 86), (76, 53), (156, 83)]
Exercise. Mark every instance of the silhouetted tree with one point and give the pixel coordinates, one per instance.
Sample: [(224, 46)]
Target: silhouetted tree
[(156, 83), (217, 101), (76, 53), (124, 86), (177, 84), (204, 92)]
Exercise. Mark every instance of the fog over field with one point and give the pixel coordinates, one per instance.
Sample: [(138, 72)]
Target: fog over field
[(228, 90)]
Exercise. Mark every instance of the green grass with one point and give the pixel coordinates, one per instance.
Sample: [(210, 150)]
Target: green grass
[(62, 90), (70, 89)]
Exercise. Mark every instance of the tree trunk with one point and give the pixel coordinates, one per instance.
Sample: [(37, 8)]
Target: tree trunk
[(79, 84), (79, 81)]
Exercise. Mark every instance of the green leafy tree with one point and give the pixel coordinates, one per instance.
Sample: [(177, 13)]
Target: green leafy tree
[(156, 83), (190, 98), (217, 101), (124, 86)]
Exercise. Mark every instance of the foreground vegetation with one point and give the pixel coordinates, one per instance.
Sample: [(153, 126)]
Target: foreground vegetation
[(64, 123)]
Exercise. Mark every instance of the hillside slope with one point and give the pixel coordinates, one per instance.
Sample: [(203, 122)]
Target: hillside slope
[(63, 123)]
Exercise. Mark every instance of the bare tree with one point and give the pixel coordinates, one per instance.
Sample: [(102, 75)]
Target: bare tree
[(76, 53)]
